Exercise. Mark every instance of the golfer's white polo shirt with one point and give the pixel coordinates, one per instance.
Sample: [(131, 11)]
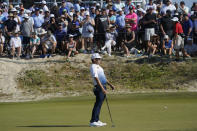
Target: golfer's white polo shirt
[(97, 71)]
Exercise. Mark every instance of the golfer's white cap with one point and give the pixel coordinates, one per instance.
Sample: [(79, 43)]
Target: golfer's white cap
[(166, 37), (175, 19), (96, 56)]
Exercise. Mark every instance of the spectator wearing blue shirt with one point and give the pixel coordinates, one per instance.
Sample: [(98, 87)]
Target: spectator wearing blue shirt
[(2, 19), (60, 37), (120, 23), (63, 8), (112, 17), (77, 5), (187, 26), (38, 20)]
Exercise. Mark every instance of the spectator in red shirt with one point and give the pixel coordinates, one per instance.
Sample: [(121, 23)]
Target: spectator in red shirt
[(178, 38)]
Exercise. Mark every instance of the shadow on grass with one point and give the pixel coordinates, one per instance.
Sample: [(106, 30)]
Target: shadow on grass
[(46, 126)]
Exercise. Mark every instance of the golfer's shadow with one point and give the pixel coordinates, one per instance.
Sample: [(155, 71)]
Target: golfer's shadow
[(46, 126)]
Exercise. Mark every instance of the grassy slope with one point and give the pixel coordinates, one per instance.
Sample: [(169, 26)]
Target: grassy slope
[(137, 112), (64, 77)]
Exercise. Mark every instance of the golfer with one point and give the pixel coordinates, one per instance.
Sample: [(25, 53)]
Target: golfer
[(100, 92)]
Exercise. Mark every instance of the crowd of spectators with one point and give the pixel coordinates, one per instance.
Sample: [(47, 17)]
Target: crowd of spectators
[(72, 27)]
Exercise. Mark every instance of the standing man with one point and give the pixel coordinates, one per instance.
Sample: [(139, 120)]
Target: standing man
[(100, 89)]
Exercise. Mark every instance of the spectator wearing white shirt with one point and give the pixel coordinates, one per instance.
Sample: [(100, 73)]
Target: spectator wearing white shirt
[(168, 6), (151, 5), (15, 43), (44, 6), (183, 9)]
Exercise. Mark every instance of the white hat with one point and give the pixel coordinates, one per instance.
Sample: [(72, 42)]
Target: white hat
[(44, 2), (87, 13), (13, 10), (166, 37), (28, 11), (16, 6), (142, 10), (119, 10), (41, 32), (97, 4), (82, 8), (5, 3), (96, 56), (52, 15), (175, 19), (26, 16), (41, 10), (70, 35), (138, 4), (55, 4)]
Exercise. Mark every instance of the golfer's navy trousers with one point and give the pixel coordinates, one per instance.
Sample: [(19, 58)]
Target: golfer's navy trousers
[(100, 97)]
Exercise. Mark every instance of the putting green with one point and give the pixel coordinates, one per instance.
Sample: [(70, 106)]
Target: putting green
[(134, 112)]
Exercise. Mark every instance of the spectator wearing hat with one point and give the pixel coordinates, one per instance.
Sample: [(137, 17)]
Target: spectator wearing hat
[(64, 22), (34, 43), (131, 18), (187, 26), (10, 26), (118, 5), (167, 25), (49, 43), (71, 46), (110, 37), (191, 48), (194, 7), (44, 6), (16, 18), (52, 24), (149, 25), (183, 9), (38, 20), (2, 42), (151, 5), (87, 32), (26, 30), (128, 40), (15, 43), (60, 37), (167, 45), (178, 39), (92, 12)]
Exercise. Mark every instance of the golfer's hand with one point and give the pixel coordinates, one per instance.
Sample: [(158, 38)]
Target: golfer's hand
[(104, 92), (112, 87)]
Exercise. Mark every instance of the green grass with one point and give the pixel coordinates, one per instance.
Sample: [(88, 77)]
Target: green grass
[(135, 112), (63, 77)]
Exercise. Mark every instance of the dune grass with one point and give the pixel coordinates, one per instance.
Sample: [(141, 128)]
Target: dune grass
[(66, 78)]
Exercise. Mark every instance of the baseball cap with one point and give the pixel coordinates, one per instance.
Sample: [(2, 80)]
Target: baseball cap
[(26, 16), (175, 19), (96, 56), (87, 13), (71, 36), (166, 37), (82, 8), (52, 15)]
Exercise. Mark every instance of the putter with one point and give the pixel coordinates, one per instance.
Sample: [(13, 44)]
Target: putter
[(109, 112)]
